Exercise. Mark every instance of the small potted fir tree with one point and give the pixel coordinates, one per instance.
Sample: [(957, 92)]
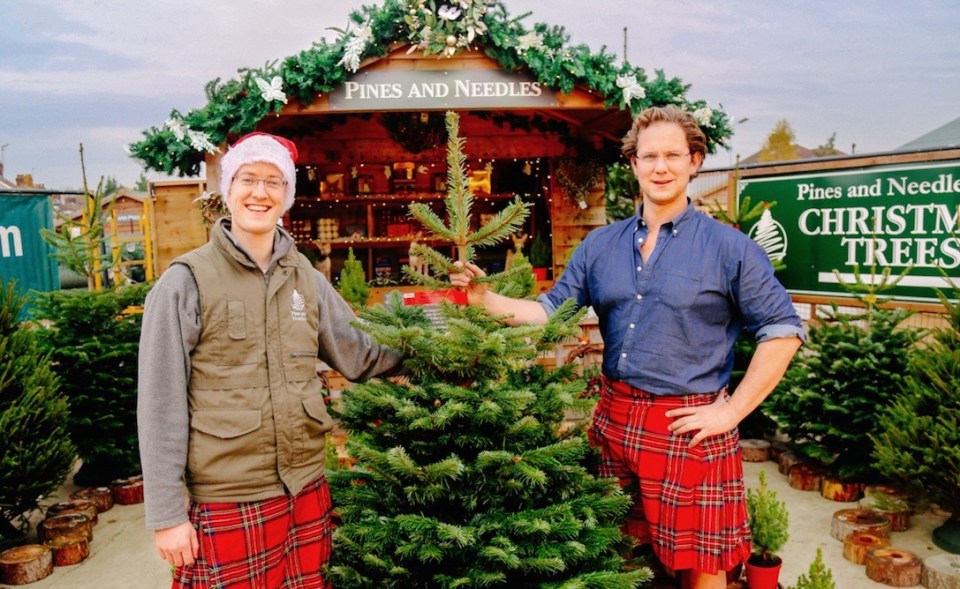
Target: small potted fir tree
[(540, 257), (818, 576), (768, 526)]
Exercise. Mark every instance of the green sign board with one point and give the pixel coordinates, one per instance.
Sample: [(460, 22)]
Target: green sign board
[(895, 216), (24, 255)]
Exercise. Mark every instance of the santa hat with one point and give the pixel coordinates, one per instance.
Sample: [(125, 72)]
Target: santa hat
[(260, 147)]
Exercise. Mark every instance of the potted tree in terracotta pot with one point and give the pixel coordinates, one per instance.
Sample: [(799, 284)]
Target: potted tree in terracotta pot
[(768, 526)]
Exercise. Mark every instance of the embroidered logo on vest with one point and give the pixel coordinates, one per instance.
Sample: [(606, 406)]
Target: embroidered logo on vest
[(297, 306)]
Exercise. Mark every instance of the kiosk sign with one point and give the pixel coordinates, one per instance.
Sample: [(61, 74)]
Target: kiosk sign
[(897, 217), (386, 90), (24, 255)]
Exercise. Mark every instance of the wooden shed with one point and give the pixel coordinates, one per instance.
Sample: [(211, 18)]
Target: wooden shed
[(541, 119)]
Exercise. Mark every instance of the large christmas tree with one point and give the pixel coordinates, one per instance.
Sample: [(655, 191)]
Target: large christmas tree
[(466, 476)]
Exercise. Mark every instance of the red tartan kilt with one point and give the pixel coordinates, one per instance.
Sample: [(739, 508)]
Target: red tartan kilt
[(278, 543), (691, 507)]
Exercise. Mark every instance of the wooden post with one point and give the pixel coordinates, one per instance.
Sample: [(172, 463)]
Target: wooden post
[(25, 564), (897, 568)]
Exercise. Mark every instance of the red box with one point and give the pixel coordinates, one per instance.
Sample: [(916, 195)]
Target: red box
[(432, 297), (399, 229)]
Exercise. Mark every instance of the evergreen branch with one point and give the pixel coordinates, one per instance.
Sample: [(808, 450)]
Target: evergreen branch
[(504, 223), (431, 221)]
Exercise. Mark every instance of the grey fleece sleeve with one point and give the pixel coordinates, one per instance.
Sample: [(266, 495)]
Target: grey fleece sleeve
[(347, 349), (170, 331)]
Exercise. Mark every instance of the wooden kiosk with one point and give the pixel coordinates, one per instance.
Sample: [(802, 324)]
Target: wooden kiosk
[(376, 144)]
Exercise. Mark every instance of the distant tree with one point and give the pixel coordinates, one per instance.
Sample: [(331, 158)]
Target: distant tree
[(142, 183), (828, 148), (781, 144), (110, 185)]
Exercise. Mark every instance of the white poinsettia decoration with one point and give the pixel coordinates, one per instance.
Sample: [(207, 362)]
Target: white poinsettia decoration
[(355, 46), (631, 88), (704, 116), (531, 40), (200, 141), (272, 90), (176, 126), (449, 12)]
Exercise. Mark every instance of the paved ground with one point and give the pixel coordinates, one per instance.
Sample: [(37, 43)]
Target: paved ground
[(122, 554)]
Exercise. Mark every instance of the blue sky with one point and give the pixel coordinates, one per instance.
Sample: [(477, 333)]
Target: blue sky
[(876, 73)]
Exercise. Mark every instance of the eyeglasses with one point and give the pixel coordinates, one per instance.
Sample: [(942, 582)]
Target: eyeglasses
[(270, 184), (671, 158)]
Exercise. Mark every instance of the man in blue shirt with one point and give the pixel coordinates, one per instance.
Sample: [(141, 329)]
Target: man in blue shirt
[(673, 289)]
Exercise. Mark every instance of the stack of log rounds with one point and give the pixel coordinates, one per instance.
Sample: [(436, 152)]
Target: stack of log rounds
[(886, 490), (127, 491), (941, 571), (101, 497), (84, 506), (897, 568), (25, 564), (753, 450), (857, 544), (835, 489), (66, 526), (849, 521), (786, 460), (895, 510), (806, 477), (68, 551)]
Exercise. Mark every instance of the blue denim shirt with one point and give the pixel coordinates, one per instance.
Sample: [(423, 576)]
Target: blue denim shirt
[(669, 325)]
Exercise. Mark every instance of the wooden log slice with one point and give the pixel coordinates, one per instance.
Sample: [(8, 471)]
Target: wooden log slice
[(941, 571), (752, 450), (857, 544), (834, 489), (65, 527), (25, 564), (101, 497), (127, 491), (68, 552), (776, 449), (888, 490), (894, 567), (84, 506), (786, 460), (898, 513), (805, 477), (849, 521)]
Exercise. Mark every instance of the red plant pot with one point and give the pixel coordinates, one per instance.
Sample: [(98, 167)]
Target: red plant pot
[(763, 574)]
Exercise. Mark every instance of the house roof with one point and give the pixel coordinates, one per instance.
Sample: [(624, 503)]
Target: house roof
[(942, 137)]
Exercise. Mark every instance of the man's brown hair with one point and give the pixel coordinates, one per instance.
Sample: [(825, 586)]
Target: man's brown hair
[(696, 140)]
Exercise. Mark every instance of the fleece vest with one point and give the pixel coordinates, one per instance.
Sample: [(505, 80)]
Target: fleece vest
[(257, 415)]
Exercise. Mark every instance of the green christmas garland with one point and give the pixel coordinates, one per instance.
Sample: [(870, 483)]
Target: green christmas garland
[(235, 107)]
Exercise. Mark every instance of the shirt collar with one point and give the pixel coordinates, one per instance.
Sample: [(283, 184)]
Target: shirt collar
[(674, 223)]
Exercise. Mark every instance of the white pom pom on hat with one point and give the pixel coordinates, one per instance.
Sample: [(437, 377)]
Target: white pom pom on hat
[(260, 147)]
